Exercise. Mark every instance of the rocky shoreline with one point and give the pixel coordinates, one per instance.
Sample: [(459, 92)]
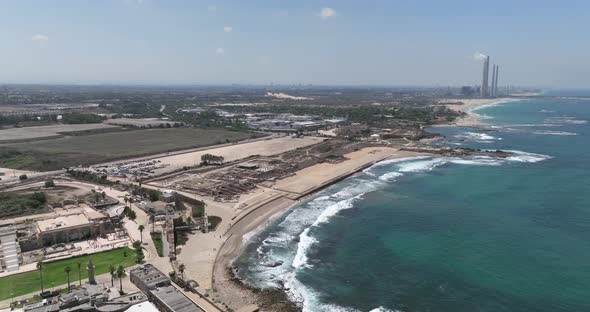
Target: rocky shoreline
[(267, 299)]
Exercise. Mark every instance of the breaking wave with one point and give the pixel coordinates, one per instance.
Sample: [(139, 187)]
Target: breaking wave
[(477, 137)]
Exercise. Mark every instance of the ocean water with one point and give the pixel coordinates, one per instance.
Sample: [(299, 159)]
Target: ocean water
[(447, 234)]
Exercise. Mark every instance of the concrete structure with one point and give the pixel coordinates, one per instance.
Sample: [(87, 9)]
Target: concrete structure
[(493, 88), (484, 92), (169, 299), (496, 82), (148, 277), (9, 249), (91, 276), (64, 229), (67, 228), (168, 197), (160, 290), (91, 298), (143, 307)]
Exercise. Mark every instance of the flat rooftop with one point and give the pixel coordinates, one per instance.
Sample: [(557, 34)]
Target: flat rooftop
[(176, 300), (63, 222), (150, 276)]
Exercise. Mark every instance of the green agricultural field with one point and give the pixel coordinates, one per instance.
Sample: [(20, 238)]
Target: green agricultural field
[(55, 154), (54, 275)]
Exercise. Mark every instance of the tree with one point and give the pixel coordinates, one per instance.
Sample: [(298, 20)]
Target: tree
[(138, 251), (153, 221), (120, 274), (113, 271), (23, 177), (153, 195), (39, 197), (40, 268), (141, 228), (67, 269), (209, 159), (181, 270), (49, 183), (80, 272), (131, 214)]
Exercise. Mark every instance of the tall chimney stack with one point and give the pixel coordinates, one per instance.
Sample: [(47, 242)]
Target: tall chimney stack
[(493, 81), (486, 72), (496, 83)]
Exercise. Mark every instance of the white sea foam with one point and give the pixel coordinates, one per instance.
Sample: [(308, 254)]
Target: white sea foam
[(562, 133), (305, 241), (422, 165), (477, 137), (390, 176), (566, 120), (479, 107), (397, 160), (527, 157), (382, 309), (478, 162)]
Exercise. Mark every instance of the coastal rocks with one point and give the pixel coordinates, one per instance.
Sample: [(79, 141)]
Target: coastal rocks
[(273, 264), (458, 151), (268, 299)]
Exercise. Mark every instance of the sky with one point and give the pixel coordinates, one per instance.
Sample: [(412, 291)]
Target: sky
[(541, 43)]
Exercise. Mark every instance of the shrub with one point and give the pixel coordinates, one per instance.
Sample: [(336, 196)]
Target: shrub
[(23, 177), (49, 183), (154, 195)]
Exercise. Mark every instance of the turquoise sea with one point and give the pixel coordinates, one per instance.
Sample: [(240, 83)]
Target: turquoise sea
[(447, 234)]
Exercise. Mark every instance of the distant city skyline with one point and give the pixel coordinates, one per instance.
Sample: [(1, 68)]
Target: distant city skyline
[(345, 42)]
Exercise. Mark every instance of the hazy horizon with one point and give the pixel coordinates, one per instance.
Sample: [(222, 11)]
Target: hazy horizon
[(327, 43)]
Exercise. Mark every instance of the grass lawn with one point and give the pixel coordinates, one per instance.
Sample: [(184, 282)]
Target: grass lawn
[(157, 239), (55, 154), (54, 275)]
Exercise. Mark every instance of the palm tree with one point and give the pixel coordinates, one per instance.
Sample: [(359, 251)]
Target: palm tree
[(112, 270), (40, 268), (80, 272), (141, 228), (181, 270), (67, 269), (120, 274)]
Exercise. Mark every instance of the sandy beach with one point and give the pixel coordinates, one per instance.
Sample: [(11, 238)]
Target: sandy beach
[(471, 119)]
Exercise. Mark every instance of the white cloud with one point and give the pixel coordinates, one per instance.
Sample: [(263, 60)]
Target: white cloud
[(327, 13), (219, 51), (40, 38), (227, 29)]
